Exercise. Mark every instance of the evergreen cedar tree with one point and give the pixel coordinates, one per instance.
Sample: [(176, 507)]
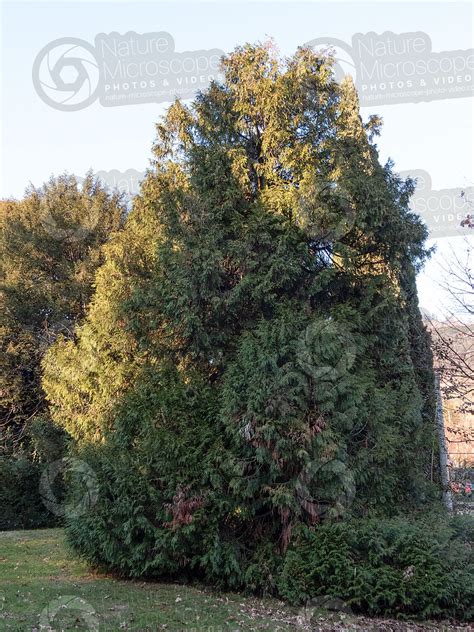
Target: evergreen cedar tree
[(50, 249), (253, 361)]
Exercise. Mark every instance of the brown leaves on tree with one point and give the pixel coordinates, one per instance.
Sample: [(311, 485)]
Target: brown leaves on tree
[(183, 507)]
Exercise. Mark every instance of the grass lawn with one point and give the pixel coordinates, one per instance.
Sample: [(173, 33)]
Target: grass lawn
[(42, 587)]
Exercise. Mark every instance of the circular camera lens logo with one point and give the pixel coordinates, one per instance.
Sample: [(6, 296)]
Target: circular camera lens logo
[(66, 74), (69, 607), (83, 472), (309, 615), (326, 211), (316, 474), (342, 53), (326, 368)]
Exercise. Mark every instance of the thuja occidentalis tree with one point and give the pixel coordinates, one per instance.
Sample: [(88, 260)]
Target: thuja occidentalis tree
[(253, 360)]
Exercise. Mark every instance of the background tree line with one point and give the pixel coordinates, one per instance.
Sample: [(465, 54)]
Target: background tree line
[(50, 249)]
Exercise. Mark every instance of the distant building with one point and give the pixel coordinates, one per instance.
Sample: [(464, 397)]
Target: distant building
[(459, 423), (459, 428)]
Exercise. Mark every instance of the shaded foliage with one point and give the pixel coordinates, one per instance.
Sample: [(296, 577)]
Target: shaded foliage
[(50, 249), (253, 359)]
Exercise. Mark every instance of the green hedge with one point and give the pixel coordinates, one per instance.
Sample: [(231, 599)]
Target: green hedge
[(21, 505), (403, 567), (423, 568), (20, 500)]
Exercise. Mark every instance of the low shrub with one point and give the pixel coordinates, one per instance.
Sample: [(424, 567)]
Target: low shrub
[(396, 567), (20, 500), (404, 567), (21, 504)]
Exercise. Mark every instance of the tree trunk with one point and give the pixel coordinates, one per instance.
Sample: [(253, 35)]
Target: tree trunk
[(443, 450)]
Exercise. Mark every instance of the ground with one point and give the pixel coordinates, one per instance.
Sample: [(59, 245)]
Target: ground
[(42, 587)]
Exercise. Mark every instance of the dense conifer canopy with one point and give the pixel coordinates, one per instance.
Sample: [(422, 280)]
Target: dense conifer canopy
[(50, 249), (253, 359)]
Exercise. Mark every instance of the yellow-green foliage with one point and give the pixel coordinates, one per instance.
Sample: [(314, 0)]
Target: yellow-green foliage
[(247, 365)]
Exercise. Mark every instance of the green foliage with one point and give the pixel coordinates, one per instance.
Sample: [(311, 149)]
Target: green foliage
[(248, 366), (84, 377), (50, 245), (21, 504), (422, 568), (20, 473), (50, 249)]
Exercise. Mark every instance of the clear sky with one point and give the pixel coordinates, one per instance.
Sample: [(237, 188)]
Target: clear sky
[(38, 140)]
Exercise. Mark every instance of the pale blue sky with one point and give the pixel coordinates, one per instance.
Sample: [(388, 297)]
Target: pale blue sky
[(37, 140)]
